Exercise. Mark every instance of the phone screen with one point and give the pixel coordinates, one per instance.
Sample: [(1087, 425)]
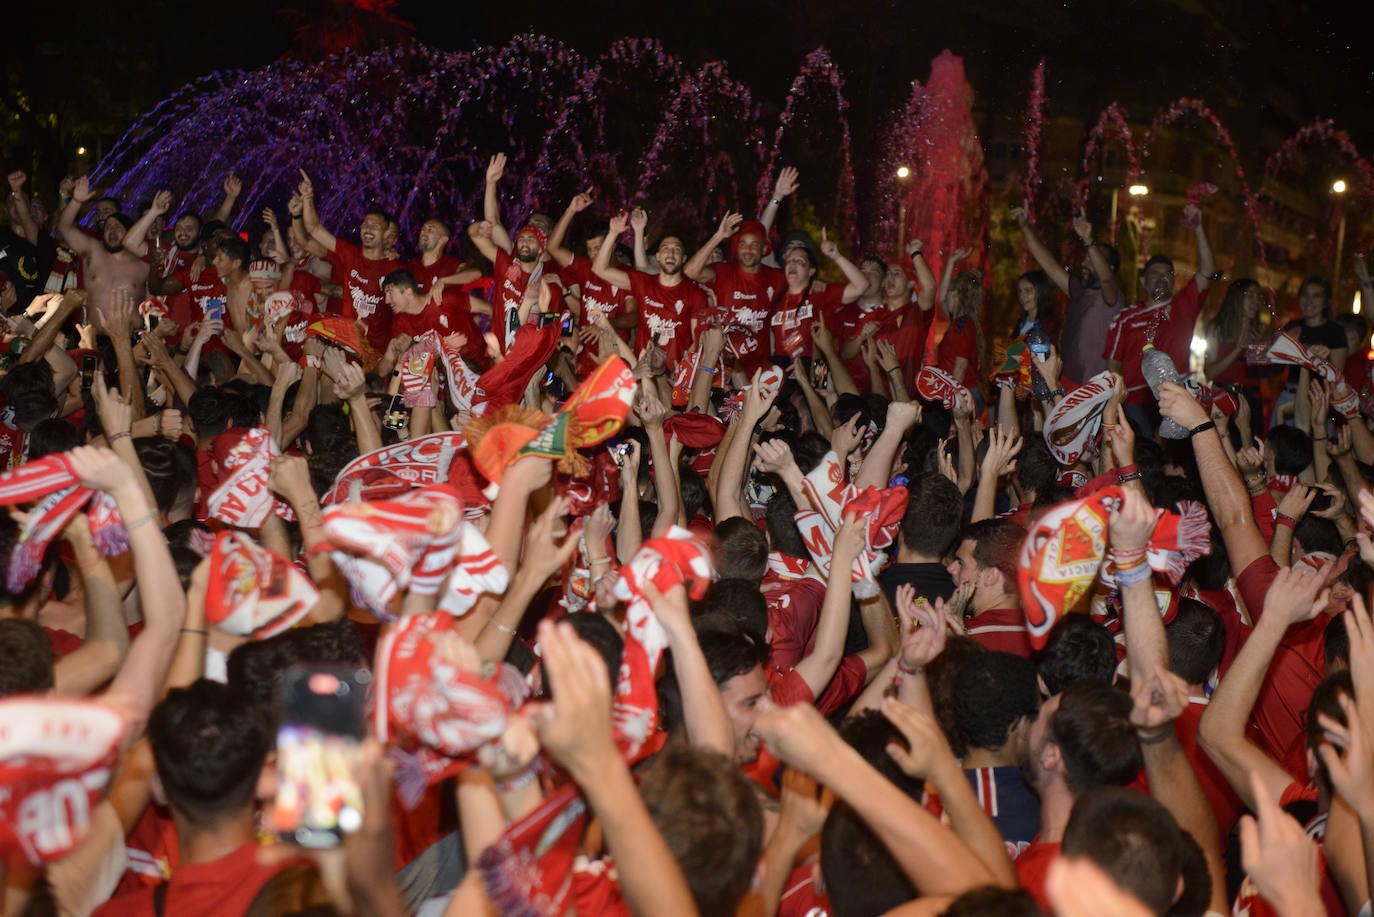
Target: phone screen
[(214, 308), (318, 749), (88, 366)]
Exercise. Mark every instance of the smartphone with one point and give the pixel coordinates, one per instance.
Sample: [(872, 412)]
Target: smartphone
[(214, 308), (619, 449), (89, 363), (395, 416), (319, 745)]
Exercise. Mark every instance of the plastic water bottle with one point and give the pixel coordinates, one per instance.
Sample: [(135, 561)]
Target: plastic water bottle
[(1039, 347), (1157, 369)]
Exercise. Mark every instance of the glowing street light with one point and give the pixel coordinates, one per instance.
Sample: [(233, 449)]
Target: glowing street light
[(81, 151), (903, 173), (1138, 190), (1338, 186)]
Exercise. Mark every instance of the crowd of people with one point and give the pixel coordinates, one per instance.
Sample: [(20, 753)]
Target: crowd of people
[(560, 572)]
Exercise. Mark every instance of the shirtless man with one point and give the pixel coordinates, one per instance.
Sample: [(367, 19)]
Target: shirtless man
[(106, 265), (231, 263)]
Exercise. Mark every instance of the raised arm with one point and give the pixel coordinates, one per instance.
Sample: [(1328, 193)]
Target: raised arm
[(786, 185), (233, 187), (71, 236), (857, 282), (734, 458), (699, 266), (703, 708), (601, 267), (1206, 263), (136, 239), (86, 669), (1296, 595), (557, 251), (48, 331), (925, 277), (138, 685), (1039, 251), (877, 466), (818, 666), (959, 255), (491, 208), (639, 222), (310, 219), (21, 217), (1084, 230)]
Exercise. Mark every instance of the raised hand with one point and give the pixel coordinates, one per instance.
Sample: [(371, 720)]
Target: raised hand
[(1297, 594), (1349, 757), (1296, 502), (496, 167), (923, 631), (575, 727), (1179, 405), (828, 247), (1132, 522), (903, 415), (162, 202), (914, 248), (773, 456), (115, 414), (99, 468), (1021, 215), (960, 254), (289, 477), (1158, 700), (17, 179), (1279, 856), (1083, 227), (1003, 447), (617, 226), (639, 220), (845, 438), (729, 225), (850, 541), (349, 381), (581, 201), (306, 189), (929, 749), (598, 526), (82, 192), (787, 182), (233, 185), (544, 555)]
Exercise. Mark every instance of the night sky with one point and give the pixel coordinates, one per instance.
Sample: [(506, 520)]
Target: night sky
[(1267, 66)]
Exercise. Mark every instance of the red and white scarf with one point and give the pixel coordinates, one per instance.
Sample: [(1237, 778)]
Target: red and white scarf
[(832, 497)]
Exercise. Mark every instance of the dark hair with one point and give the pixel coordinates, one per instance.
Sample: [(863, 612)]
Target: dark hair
[(1292, 449), (1225, 328), (602, 636), (695, 496), (403, 279), (235, 249), (739, 600), (993, 901), (376, 210), (1044, 294), (1157, 259), (846, 407), (707, 812), (811, 447), (1093, 730), (741, 550), (934, 514), (730, 652), (941, 676), (209, 747), (1336, 643), (1197, 640), (997, 545), (783, 534), (861, 876), (210, 410), (1322, 284), (52, 436), (26, 658), (1077, 648), (1133, 838), (32, 408), (255, 669), (1036, 467), (1317, 534), (170, 472), (1326, 700), (991, 692), (870, 733)]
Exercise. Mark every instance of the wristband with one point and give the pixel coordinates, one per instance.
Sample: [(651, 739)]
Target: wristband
[(1128, 478), (1134, 576), (518, 783), (1057, 393), (1155, 738), (1202, 428), (709, 370), (146, 517), (905, 671), (113, 437), (1284, 519), (776, 202), (1319, 439)]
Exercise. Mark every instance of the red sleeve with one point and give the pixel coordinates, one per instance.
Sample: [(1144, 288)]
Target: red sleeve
[(304, 282), (1113, 342), (788, 688), (344, 256), (724, 283), (638, 281), (1254, 582), (1264, 508), (848, 681), (1188, 303)]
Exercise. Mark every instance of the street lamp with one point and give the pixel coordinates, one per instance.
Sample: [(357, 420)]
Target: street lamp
[(1338, 188), (81, 151), (1138, 190), (903, 173)]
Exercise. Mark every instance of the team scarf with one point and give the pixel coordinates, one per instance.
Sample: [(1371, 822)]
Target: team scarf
[(253, 592), (1287, 349), (1064, 552), (437, 700), (934, 384), (462, 380), (770, 379), (595, 412), (56, 757), (832, 498), (243, 499), (678, 558), (529, 870), (60, 495), (1015, 372), (386, 473), (1074, 422)]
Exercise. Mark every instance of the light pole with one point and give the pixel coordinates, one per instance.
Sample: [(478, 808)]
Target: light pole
[(1338, 189), (903, 173)]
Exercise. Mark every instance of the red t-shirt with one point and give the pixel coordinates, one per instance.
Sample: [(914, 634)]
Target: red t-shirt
[(1168, 327), (361, 280), (224, 886), (787, 687), (1002, 630), (793, 314), (598, 296), (794, 607), (960, 340), (1226, 805), (204, 288), (1248, 902), (666, 313), (745, 302), (13, 441), (1033, 867), (181, 308), (1280, 712)]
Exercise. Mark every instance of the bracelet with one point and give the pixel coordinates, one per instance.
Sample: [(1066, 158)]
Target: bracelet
[(1128, 478), (503, 628), (1134, 576), (192, 630), (111, 439), (709, 370), (1285, 520), (1202, 428), (1132, 468), (1155, 737), (1319, 439), (146, 517), (1122, 565), (592, 562), (519, 783), (776, 202), (895, 369), (905, 671), (1119, 556), (1057, 393)]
